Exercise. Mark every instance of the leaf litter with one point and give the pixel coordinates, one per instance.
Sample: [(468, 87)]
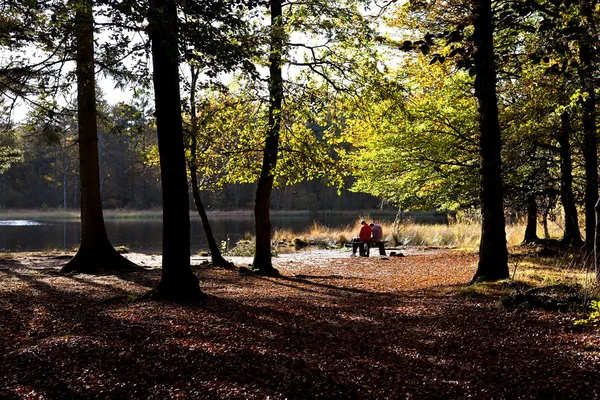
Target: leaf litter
[(330, 327)]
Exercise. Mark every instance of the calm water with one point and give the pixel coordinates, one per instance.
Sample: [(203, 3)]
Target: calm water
[(144, 235)]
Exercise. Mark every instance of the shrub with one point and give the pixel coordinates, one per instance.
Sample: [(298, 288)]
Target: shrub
[(243, 248), (594, 318)]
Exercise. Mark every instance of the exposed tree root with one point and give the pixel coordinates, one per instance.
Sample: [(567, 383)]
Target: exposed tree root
[(97, 260), (184, 292)]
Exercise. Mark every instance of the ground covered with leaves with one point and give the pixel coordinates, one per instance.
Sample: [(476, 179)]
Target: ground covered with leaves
[(329, 327)]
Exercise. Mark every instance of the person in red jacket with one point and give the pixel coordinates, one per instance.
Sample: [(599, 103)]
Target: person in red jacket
[(364, 236)]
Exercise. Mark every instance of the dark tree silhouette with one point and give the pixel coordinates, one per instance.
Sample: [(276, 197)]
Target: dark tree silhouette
[(178, 281), (262, 258), (531, 227), (590, 141), (572, 234), (493, 253), (95, 252)]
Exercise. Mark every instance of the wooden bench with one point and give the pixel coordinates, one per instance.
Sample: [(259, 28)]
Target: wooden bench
[(365, 247)]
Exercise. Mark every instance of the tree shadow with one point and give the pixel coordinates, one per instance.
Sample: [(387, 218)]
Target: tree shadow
[(338, 342)]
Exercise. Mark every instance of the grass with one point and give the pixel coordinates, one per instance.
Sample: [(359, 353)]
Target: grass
[(463, 235), (528, 271)]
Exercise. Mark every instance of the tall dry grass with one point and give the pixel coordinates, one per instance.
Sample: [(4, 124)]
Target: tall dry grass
[(461, 234)]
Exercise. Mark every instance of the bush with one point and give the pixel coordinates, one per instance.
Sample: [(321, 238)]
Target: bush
[(243, 248), (594, 318)]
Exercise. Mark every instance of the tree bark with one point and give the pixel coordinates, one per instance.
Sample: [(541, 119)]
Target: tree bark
[(177, 281), (596, 243), (95, 252), (572, 236), (262, 258), (590, 145), (215, 253), (545, 215), (531, 228), (493, 253)]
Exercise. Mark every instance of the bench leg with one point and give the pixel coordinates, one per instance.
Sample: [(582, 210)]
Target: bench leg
[(381, 249), (363, 250)]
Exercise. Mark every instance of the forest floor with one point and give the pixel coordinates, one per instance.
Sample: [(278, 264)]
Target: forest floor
[(329, 327)]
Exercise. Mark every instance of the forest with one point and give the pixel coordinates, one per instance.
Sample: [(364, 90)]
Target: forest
[(483, 109), (44, 175)]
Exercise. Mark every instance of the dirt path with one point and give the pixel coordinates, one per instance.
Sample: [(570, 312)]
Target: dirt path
[(331, 327)]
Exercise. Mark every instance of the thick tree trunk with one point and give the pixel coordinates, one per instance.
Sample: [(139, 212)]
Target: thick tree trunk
[(590, 145), (95, 252), (596, 244), (262, 258), (572, 236), (531, 228), (493, 254), (178, 281)]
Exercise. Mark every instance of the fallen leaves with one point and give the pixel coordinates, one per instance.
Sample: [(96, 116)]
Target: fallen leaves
[(330, 327)]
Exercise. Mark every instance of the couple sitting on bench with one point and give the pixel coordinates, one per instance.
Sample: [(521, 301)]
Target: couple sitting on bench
[(370, 235)]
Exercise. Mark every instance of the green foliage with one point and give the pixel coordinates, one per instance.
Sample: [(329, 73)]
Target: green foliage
[(417, 146), (243, 248), (594, 318)]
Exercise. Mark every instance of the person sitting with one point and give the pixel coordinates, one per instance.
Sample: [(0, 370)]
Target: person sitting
[(364, 237), (377, 238)]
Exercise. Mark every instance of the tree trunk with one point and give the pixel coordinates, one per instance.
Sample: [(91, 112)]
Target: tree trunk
[(95, 251), (596, 243), (493, 254), (572, 236), (262, 258), (64, 154), (177, 281), (590, 146), (215, 253), (545, 214), (531, 228)]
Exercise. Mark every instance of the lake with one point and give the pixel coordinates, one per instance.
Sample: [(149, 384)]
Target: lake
[(145, 235)]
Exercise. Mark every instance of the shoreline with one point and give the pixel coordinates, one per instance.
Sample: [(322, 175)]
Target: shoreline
[(155, 260), (72, 214)]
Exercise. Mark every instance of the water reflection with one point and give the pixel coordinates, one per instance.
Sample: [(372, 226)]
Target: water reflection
[(19, 222), (146, 235)]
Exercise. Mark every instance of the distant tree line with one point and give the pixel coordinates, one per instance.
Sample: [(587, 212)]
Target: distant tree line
[(46, 174)]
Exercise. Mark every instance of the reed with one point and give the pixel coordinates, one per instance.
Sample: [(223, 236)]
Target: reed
[(462, 234)]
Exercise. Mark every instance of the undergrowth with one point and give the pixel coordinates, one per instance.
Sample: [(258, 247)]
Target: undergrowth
[(593, 319), (558, 283)]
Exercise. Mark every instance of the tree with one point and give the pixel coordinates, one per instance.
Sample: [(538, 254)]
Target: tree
[(178, 281), (95, 251), (330, 32), (416, 131), (567, 30), (572, 235), (215, 253), (493, 254), (262, 257), (214, 40), (586, 70)]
